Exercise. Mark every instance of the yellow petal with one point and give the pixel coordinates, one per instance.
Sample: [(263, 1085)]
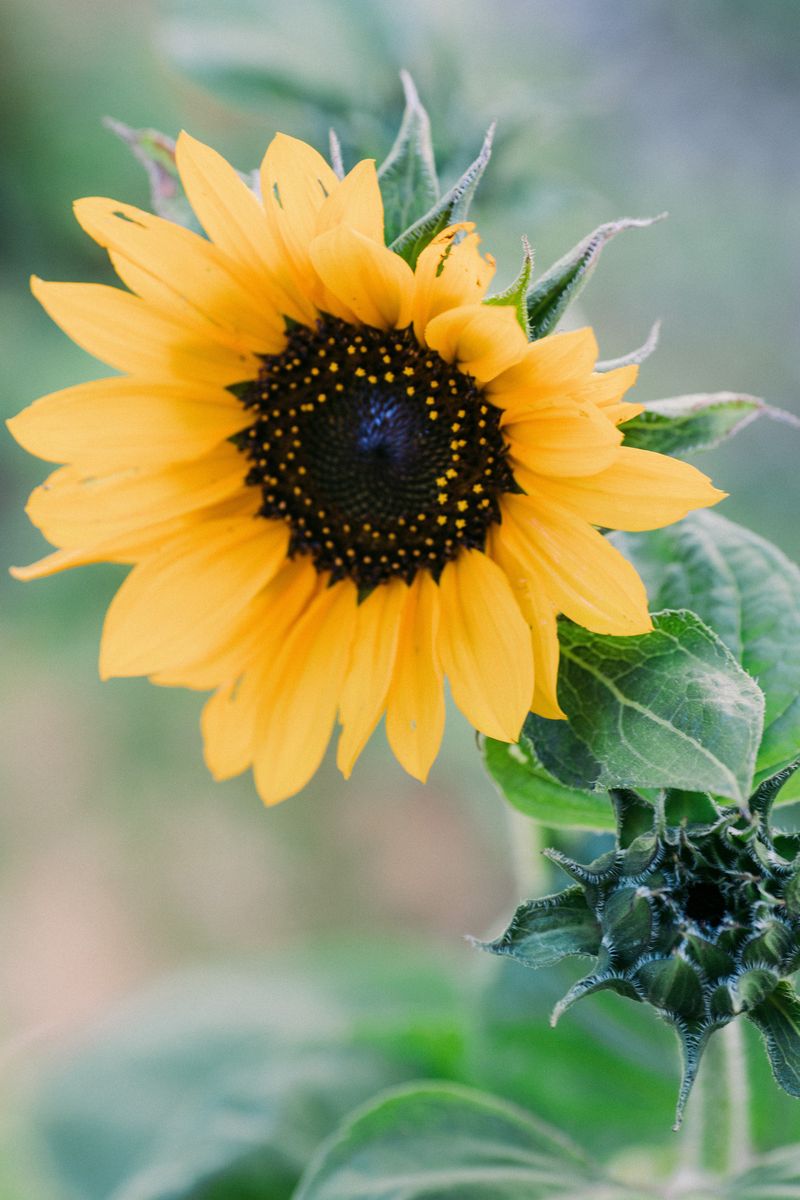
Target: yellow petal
[(181, 271), (605, 389), (640, 490), (229, 718), (540, 615), (372, 282), (301, 694), (485, 646), (415, 704), (258, 631), (178, 604), (120, 422), (75, 509), (131, 544), (295, 182), (370, 670), (581, 572), (482, 339), (129, 334), (236, 222), (552, 366), (355, 202), (448, 274), (562, 438)]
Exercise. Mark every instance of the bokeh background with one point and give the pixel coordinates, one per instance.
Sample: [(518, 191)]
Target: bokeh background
[(120, 859)]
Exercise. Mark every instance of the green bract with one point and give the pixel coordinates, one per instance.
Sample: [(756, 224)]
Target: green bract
[(699, 920)]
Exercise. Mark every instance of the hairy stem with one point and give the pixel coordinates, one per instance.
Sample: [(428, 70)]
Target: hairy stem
[(738, 1090)]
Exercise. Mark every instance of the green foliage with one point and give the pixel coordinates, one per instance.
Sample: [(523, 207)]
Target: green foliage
[(450, 209), (669, 708), (686, 423), (156, 152), (408, 180), (516, 292), (548, 299), (691, 919), (748, 592), (437, 1143), (223, 1083), (530, 788)]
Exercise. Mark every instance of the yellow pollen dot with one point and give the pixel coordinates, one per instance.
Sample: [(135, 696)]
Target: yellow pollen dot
[(450, 473), (462, 506), (360, 371), (366, 527), (434, 383), (442, 497), (301, 470), (372, 379), (441, 481), (408, 370), (389, 376), (433, 415), (322, 397), (410, 391), (387, 358), (315, 370), (454, 428), (460, 523), (322, 352), (462, 412), (441, 519), (351, 349), (339, 387), (334, 366), (477, 488), (422, 516), (429, 400)]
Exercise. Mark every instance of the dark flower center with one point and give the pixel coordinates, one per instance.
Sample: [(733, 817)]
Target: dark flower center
[(382, 457)]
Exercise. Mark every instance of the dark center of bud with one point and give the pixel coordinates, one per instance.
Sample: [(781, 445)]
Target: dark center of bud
[(383, 458), (705, 904)]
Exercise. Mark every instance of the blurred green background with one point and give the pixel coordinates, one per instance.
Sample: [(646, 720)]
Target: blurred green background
[(119, 857)]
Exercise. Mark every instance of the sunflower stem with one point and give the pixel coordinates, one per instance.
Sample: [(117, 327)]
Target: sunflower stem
[(739, 1147)]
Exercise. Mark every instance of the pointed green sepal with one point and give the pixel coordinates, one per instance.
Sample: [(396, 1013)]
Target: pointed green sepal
[(778, 1020), (627, 924), (156, 152), (407, 177), (769, 947), (763, 797), (634, 815), (516, 293), (544, 931), (603, 869), (692, 1045), (548, 299), (450, 209), (753, 987), (686, 423), (634, 357), (714, 961), (598, 982), (671, 985)]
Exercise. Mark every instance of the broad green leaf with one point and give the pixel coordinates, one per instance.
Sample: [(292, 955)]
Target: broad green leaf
[(451, 208), (686, 423), (517, 291), (542, 932), (445, 1143), (748, 592), (530, 788), (548, 299), (223, 1083), (778, 1020), (156, 152), (408, 180), (668, 708)]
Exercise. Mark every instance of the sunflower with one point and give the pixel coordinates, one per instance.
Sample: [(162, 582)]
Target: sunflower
[(340, 480)]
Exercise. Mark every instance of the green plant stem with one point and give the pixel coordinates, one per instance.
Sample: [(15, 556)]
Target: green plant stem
[(739, 1146)]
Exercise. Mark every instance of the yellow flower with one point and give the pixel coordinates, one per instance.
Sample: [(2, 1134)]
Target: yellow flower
[(399, 489)]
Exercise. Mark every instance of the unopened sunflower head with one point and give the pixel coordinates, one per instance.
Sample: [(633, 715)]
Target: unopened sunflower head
[(699, 920), (340, 475)]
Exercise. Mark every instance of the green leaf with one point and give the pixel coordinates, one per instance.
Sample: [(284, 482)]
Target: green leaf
[(542, 932), (672, 707), (446, 1143), (156, 152), (530, 788), (685, 423), (778, 1020), (408, 180), (223, 1083), (451, 208), (517, 291), (548, 299), (748, 592)]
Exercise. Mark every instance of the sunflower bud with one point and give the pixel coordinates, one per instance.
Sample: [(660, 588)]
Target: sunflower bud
[(699, 920)]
